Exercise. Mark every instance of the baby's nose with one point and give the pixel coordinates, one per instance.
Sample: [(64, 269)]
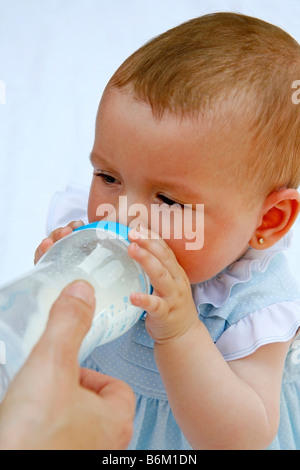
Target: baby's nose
[(132, 213)]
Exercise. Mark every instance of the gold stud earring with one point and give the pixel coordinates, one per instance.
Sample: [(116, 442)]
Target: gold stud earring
[(261, 241)]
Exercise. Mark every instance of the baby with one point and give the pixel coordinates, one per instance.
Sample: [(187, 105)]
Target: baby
[(203, 114)]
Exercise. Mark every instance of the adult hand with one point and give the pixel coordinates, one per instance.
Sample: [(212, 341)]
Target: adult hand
[(53, 403)]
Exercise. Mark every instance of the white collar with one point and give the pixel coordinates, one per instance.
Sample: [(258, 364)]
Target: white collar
[(217, 290)]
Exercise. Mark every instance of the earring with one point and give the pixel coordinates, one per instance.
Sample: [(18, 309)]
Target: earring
[(261, 241)]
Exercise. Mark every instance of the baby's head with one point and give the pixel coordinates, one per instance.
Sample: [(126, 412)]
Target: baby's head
[(203, 114)]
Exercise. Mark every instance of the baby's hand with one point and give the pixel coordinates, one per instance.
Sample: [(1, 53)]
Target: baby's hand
[(54, 237), (171, 311)]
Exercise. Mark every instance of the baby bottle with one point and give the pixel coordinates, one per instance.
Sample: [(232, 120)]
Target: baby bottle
[(96, 253)]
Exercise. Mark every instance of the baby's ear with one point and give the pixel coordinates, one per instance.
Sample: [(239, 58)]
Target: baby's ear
[(278, 214)]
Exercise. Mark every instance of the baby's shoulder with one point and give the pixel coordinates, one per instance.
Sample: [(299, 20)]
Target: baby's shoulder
[(244, 289)]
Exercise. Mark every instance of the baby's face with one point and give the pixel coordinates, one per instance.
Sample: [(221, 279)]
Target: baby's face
[(169, 161)]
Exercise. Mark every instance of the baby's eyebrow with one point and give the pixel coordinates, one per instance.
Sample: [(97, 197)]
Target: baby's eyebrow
[(180, 186), (95, 156), (183, 191)]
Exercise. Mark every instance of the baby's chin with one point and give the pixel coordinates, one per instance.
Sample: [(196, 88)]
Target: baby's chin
[(199, 277), (197, 280)]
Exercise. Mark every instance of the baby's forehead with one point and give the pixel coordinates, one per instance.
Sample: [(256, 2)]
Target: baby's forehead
[(225, 125), (212, 143)]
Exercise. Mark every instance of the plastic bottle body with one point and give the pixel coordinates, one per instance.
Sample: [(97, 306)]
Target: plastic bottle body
[(93, 254)]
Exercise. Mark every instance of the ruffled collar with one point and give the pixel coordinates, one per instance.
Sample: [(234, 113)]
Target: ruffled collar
[(216, 290)]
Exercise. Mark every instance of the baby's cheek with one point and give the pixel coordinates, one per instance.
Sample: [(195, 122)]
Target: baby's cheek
[(92, 207), (91, 215), (185, 257), (199, 265)]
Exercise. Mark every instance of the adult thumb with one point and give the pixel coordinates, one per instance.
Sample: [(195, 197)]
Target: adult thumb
[(70, 319)]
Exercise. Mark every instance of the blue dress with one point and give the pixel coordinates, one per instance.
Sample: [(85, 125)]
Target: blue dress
[(253, 302)]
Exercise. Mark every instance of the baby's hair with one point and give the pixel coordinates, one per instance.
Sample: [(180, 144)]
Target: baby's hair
[(239, 61)]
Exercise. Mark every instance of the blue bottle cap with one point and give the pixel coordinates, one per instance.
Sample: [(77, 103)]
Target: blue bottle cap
[(114, 227)]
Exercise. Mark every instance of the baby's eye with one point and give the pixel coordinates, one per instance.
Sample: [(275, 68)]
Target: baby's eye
[(169, 201), (108, 179)]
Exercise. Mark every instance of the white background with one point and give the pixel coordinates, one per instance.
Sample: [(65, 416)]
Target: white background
[(55, 59)]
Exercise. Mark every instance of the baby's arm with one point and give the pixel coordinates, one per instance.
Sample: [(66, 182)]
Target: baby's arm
[(221, 405), (54, 237), (218, 405)]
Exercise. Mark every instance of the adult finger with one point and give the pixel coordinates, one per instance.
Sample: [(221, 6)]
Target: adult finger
[(108, 387), (69, 321)]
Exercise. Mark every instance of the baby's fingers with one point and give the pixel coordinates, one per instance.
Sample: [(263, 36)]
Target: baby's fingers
[(157, 315), (160, 278), (75, 224), (42, 249), (64, 231), (152, 304), (54, 237), (49, 241)]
